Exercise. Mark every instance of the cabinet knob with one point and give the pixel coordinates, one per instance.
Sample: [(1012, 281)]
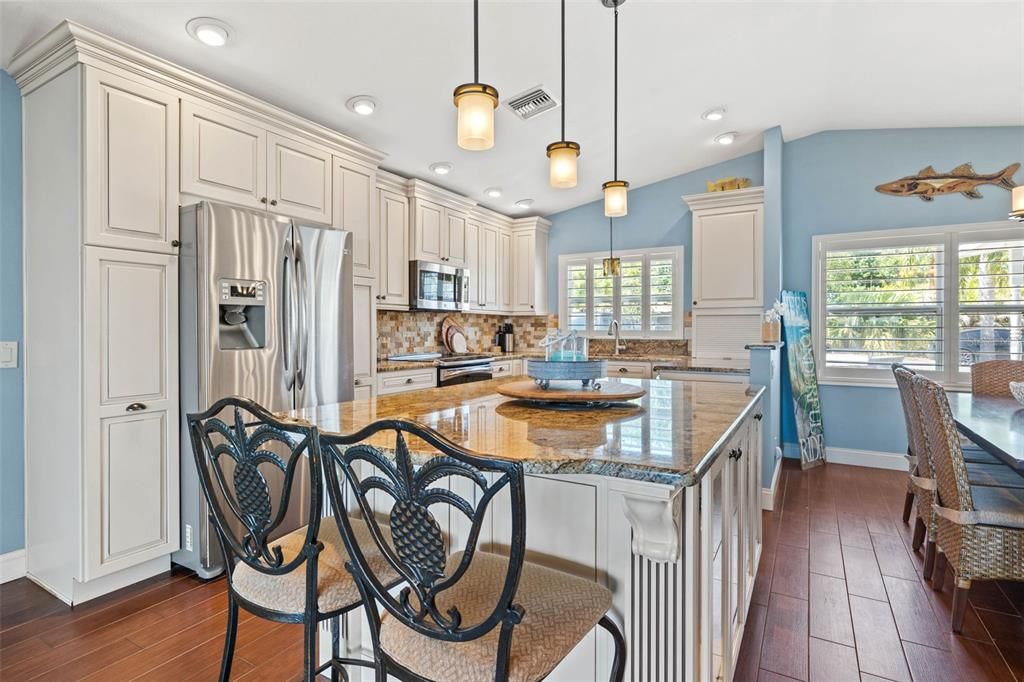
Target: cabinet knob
[(273, 202), (356, 382), (736, 454), (135, 407), (758, 416), (263, 200), (383, 297), (175, 243), (695, 303), (623, 370), (409, 380)]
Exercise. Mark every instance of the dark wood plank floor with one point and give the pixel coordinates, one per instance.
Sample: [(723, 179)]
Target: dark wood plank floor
[(838, 597), (839, 594)]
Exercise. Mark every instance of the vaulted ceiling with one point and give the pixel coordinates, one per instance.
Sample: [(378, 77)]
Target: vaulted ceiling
[(807, 66)]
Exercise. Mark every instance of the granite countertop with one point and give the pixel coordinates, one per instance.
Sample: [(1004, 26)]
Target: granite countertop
[(670, 436), (658, 362)]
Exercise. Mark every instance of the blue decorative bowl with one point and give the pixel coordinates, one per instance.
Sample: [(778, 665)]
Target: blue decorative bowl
[(543, 372)]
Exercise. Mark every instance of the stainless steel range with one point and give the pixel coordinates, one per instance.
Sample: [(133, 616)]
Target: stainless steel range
[(454, 368)]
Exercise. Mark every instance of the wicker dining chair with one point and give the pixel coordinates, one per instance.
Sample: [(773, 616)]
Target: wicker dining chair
[(993, 377), (299, 577), (980, 529), (462, 616)]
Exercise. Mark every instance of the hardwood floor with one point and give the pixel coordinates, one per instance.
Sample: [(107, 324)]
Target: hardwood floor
[(838, 597), (839, 594)]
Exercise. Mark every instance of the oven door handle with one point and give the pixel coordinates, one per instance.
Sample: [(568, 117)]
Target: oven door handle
[(462, 371)]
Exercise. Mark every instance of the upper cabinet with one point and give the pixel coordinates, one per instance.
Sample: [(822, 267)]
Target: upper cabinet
[(393, 240), (439, 224), (131, 156), (355, 210), (727, 248), (488, 273), (232, 158), (529, 265)]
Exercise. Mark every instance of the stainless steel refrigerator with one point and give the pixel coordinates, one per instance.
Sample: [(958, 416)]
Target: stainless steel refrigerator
[(265, 313)]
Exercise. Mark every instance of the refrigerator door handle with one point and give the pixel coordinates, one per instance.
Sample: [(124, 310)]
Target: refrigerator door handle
[(303, 327), (287, 285)]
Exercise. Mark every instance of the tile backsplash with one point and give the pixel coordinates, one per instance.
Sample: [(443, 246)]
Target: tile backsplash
[(400, 333)]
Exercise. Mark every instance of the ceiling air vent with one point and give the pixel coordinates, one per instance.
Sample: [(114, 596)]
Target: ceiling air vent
[(532, 102)]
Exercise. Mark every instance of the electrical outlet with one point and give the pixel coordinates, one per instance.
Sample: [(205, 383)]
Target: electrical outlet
[(188, 537), (8, 354)]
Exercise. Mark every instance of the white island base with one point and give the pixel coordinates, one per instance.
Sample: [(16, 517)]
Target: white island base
[(681, 593)]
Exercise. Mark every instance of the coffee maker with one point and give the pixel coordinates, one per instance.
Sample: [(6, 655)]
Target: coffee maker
[(505, 338)]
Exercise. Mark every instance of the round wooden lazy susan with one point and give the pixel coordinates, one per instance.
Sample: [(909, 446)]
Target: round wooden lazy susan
[(566, 393)]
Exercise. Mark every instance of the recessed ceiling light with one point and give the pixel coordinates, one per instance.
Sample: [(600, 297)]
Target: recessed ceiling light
[(364, 105), (726, 138), (441, 167), (716, 114), (524, 203), (208, 31), (493, 192)]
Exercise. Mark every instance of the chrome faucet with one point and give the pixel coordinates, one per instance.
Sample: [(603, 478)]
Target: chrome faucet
[(613, 330)]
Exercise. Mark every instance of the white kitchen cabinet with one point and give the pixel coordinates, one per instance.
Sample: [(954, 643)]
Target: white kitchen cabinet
[(406, 380), (299, 179), (455, 237), (131, 148), (517, 367), (355, 210), (428, 232), (505, 291), (728, 249), (230, 157), (130, 463), (529, 265), (502, 368), (364, 332), (488, 269), (473, 262), (223, 156), (393, 274), (621, 369), (439, 223)]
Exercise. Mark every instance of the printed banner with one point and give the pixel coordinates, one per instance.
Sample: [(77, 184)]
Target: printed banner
[(803, 378)]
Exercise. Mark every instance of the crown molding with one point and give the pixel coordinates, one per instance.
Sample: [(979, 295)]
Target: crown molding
[(490, 217), (391, 182), (532, 223), (70, 43), (420, 189), (734, 197)]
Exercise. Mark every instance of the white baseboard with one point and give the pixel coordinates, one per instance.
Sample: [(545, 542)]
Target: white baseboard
[(895, 461), (768, 494), (12, 566)]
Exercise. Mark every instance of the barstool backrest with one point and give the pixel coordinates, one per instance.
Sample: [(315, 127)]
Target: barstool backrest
[(912, 416), (943, 442), (993, 377), (416, 550), (238, 446)]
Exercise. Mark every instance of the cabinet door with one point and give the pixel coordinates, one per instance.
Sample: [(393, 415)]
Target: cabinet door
[(299, 179), (427, 242), (473, 262), (223, 157), (489, 269), (505, 271), (364, 333), (522, 271), (131, 150), (454, 252), (727, 251), (130, 467), (355, 208), (393, 277)]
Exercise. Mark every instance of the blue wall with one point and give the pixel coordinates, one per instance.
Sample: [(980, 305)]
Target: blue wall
[(829, 188), (657, 217), (12, 463)]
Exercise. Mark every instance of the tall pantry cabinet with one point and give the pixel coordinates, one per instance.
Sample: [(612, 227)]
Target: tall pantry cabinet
[(101, 329)]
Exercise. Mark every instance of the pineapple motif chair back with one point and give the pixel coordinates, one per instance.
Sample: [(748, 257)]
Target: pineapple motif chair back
[(943, 443), (414, 546), (250, 464)]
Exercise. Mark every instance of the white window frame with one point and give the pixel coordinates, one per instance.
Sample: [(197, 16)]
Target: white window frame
[(950, 236), (678, 273)]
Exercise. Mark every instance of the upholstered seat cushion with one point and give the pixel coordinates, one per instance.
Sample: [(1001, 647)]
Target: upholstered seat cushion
[(335, 587), (560, 610), (998, 506), (994, 474)]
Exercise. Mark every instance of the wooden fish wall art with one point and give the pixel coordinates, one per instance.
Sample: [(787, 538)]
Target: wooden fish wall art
[(929, 183)]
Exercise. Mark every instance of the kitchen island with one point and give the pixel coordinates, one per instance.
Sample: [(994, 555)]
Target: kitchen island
[(659, 500)]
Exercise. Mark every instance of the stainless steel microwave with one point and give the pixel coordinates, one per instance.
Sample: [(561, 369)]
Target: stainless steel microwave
[(436, 286)]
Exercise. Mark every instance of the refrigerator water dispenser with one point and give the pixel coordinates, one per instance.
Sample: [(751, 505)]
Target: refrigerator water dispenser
[(242, 313)]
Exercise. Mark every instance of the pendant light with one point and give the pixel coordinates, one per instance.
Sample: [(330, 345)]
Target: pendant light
[(563, 154), (476, 101), (1017, 203), (615, 200), (611, 265)]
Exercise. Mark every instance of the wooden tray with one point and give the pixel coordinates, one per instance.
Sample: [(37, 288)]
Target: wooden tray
[(571, 392)]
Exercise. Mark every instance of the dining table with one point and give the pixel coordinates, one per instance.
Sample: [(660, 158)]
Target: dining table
[(994, 424)]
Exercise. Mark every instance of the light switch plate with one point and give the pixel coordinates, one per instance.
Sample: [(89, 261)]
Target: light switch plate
[(8, 354)]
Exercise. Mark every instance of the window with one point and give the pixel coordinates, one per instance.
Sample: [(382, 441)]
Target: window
[(646, 297), (935, 299)]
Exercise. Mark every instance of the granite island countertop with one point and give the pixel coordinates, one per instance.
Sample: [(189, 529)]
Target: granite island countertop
[(682, 363), (670, 436)]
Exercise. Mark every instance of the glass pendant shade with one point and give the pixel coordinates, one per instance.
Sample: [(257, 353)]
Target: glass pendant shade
[(611, 266), (476, 103), (615, 201), (562, 162), (1017, 203)]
